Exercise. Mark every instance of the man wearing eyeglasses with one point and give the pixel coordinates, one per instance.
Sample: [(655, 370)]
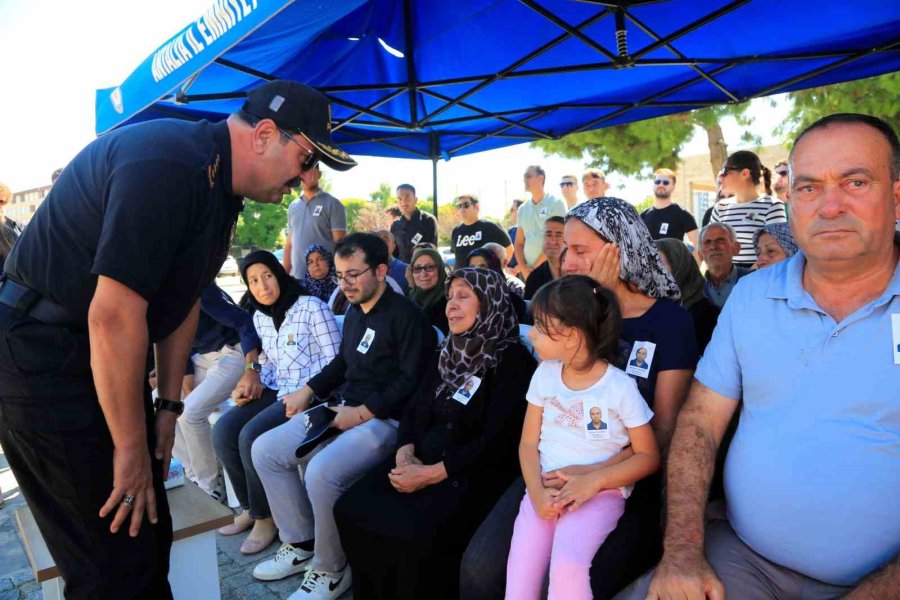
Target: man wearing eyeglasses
[(665, 219), (316, 217), (114, 261), (474, 232)]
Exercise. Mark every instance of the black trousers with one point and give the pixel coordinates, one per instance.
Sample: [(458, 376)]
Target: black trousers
[(58, 445)]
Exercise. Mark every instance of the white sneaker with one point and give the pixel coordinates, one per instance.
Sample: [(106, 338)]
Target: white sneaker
[(319, 585), (287, 561)]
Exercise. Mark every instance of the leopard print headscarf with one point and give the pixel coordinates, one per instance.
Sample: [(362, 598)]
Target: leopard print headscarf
[(495, 328), (617, 221)]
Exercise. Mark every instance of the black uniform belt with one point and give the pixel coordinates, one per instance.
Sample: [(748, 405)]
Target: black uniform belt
[(28, 302)]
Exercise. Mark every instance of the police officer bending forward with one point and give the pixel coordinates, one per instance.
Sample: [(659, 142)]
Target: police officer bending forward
[(114, 261)]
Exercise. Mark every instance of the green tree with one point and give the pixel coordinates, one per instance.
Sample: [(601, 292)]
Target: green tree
[(876, 96), (262, 225), (383, 196), (633, 149), (644, 204)]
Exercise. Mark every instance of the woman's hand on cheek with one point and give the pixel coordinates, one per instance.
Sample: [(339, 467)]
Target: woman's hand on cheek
[(606, 267)]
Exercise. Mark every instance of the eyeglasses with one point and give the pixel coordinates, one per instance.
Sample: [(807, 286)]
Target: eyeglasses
[(312, 159), (464, 205), (566, 183), (424, 269), (350, 278), (661, 182), (725, 170), (781, 173)]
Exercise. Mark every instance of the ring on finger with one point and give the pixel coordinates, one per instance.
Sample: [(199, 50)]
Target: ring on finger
[(128, 500)]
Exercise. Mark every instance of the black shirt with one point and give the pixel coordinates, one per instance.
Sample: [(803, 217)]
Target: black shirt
[(669, 222), (421, 227), (466, 238), (537, 278), (384, 373), (149, 205), (480, 436)]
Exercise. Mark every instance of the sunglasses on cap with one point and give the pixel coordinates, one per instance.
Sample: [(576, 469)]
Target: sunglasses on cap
[(661, 182)]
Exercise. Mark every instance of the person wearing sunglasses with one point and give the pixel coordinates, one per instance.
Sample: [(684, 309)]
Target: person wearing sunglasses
[(782, 183), (315, 218), (134, 228), (748, 211), (474, 232), (426, 275), (666, 219), (568, 186)]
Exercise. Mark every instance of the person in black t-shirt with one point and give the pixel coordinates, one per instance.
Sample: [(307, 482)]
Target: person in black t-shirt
[(665, 219), (474, 232), (112, 262), (413, 226), (553, 247)]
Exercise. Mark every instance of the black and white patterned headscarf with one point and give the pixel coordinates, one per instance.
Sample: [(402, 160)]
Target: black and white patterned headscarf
[(617, 221), (495, 328)]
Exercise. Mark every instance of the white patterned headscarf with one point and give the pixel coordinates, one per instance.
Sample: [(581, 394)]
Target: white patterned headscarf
[(496, 327), (640, 262)]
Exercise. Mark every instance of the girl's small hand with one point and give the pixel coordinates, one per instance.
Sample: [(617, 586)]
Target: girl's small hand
[(577, 490), (554, 479), (543, 503)]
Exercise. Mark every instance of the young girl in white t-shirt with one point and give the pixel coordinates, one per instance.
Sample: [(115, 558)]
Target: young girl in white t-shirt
[(581, 411)]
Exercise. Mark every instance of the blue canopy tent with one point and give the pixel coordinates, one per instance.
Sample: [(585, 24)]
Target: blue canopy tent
[(435, 79)]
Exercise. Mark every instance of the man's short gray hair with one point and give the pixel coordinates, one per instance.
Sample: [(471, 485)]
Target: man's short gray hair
[(724, 226)]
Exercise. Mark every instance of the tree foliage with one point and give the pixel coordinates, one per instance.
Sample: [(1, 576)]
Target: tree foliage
[(635, 149), (262, 225), (876, 96)]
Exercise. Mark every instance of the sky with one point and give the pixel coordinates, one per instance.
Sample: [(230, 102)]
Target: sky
[(57, 53)]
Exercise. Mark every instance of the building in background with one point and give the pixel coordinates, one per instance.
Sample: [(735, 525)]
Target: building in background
[(23, 204), (696, 189)]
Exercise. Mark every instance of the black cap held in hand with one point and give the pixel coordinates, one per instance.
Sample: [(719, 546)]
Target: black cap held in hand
[(301, 109)]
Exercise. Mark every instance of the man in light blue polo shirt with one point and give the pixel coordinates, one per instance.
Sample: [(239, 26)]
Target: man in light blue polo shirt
[(810, 348), (529, 243)]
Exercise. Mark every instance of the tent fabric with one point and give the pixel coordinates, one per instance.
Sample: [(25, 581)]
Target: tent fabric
[(435, 79)]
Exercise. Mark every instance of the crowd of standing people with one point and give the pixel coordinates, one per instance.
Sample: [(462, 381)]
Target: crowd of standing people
[(574, 409)]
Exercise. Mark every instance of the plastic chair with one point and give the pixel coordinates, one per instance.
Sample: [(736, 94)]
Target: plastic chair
[(340, 322), (440, 334)]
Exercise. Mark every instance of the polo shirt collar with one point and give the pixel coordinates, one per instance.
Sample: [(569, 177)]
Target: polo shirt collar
[(731, 278), (787, 283), (417, 214)]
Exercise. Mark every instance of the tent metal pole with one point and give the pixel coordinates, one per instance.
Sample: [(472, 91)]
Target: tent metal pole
[(435, 155)]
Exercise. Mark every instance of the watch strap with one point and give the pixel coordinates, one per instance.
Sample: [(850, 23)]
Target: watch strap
[(175, 406)]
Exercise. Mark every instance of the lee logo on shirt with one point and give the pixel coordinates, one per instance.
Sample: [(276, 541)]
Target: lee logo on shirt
[(640, 359), (465, 393), (366, 341), (317, 211), (664, 228), (416, 239), (468, 240), (595, 421)]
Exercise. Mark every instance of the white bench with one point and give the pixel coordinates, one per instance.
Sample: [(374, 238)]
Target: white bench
[(193, 567)]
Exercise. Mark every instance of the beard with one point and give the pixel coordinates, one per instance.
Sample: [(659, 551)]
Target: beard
[(662, 195)]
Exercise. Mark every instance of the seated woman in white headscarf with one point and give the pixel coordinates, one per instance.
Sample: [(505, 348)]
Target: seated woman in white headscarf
[(404, 526)]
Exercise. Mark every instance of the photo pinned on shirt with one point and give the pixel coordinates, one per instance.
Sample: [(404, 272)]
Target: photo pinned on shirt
[(640, 359), (366, 341), (290, 340), (595, 422), (465, 393), (416, 239), (664, 228), (317, 211)]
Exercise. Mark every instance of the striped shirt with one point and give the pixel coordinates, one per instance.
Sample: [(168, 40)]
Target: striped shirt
[(747, 218)]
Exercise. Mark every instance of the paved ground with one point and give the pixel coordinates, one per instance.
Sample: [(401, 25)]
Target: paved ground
[(235, 570)]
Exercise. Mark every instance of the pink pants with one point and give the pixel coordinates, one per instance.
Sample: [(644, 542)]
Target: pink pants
[(568, 544)]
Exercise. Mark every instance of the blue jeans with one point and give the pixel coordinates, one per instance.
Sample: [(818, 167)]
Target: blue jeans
[(233, 437)]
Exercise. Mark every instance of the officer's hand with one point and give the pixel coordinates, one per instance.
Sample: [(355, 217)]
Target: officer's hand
[(132, 478)]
